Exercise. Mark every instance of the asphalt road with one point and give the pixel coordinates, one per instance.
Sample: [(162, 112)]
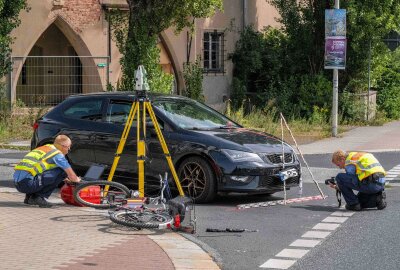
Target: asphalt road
[(367, 240)]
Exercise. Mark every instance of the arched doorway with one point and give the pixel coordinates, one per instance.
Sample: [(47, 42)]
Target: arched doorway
[(53, 70)]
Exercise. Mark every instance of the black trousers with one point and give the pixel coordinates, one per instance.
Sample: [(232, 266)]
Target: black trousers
[(43, 184)]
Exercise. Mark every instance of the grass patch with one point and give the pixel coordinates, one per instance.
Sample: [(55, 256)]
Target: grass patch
[(303, 130), (16, 125)]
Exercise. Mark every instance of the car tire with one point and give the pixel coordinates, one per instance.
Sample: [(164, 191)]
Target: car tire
[(197, 179)]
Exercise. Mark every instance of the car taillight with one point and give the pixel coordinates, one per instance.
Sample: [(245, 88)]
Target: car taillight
[(35, 126)]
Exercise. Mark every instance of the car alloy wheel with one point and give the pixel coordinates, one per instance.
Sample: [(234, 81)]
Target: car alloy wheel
[(197, 179)]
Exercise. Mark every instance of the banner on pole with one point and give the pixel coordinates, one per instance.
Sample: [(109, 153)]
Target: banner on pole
[(335, 22), (335, 39), (335, 53)]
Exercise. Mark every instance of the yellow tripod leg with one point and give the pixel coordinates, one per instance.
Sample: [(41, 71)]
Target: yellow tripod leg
[(164, 147), (141, 151), (121, 145)]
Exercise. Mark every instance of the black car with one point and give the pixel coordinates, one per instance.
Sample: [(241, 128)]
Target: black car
[(210, 152)]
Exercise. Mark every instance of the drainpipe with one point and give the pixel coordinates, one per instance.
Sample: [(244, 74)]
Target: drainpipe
[(244, 14), (108, 47)]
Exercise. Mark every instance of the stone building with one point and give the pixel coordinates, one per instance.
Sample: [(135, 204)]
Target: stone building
[(64, 47)]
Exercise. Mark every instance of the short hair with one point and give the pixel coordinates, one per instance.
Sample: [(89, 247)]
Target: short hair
[(339, 155), (61, 139)]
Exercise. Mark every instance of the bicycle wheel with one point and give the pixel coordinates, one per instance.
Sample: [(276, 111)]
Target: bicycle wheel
[(142, 219), (93, 194)]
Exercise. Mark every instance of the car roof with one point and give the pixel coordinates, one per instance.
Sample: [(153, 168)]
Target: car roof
[(129, 94)]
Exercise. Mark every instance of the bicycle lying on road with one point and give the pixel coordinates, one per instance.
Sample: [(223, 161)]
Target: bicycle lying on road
[(128, 209)]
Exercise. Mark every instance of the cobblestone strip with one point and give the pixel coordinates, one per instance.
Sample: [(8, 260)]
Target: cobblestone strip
[(183, 253), (39, 238)]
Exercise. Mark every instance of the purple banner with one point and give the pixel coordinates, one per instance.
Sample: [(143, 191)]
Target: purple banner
[(335, 53)]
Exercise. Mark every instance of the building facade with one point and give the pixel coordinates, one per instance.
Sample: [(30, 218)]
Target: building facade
[(63, 47)]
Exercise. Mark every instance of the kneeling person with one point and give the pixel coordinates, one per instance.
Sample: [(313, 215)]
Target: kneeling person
[(363, 173), (42, 170)]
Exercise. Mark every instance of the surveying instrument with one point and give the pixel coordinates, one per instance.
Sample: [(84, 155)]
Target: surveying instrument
[(139, 108)]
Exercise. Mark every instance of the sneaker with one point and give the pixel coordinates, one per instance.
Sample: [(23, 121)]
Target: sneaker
[(381, 200), (353, 207), (39, 201)]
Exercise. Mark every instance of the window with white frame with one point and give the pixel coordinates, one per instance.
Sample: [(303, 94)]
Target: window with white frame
[(213, 56)]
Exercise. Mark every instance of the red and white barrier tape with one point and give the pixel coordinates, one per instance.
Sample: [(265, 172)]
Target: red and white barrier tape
[(280, 202)]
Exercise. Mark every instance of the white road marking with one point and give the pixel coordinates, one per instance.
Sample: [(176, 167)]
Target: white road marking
[(292, 253), (305, 243), (278, 264), (326, 226), (342, 214), (335, 219), (316, 234), (8, 190)]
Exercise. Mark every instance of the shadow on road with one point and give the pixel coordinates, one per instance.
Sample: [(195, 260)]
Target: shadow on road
[(320, 208), (80, 218), (7, 183)]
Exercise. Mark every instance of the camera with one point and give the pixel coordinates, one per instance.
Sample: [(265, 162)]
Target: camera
[(330, 181)]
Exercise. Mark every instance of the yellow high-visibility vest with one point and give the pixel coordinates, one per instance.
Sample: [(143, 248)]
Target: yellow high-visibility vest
[(365, 163), (35, 162)]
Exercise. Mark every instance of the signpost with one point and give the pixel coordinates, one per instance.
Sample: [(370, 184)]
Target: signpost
[(335, 52)]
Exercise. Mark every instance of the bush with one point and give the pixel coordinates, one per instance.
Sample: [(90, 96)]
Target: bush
[(238, 93), (388, 96), (389, 101), (193, 75)]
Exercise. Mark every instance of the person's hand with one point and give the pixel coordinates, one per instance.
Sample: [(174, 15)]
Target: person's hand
[(69, 181), (333, 186)]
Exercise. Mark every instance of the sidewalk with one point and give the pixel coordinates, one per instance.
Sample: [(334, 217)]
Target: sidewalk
[(369, 138), (78, 238)]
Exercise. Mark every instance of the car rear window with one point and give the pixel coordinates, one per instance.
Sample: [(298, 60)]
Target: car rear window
[(86, 110)]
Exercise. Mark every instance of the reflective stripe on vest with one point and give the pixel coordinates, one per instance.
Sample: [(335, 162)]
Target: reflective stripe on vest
[(35, 162), (365, 163)]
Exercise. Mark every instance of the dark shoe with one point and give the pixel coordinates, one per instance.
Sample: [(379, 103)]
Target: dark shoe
[(26, 200), (353, 207), (381, 200), (39, 201)]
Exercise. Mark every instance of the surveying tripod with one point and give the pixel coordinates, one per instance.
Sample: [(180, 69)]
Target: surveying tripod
[(142, 103)]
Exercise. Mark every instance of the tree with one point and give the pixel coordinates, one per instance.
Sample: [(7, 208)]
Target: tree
[(367, 21), (9, 11), (139, 31), (287, 63)]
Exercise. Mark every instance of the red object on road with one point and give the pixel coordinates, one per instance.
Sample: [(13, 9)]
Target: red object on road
[(89, 194), (177, 221)]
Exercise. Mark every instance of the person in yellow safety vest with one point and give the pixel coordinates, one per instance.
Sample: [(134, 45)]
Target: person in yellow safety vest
[(42, 170), (363, 173)]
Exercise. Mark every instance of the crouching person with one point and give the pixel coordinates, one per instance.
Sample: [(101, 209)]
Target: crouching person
[(363, 173), (40, 172)]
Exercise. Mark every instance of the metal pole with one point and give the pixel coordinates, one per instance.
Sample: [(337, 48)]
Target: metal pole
[(335, 102), (335, 93), (369, 79)]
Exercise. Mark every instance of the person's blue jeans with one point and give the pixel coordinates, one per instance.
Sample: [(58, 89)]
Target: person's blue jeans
[(349, 182), (43, 184)]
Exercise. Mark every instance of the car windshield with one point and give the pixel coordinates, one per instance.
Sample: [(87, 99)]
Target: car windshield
[(190, 114)]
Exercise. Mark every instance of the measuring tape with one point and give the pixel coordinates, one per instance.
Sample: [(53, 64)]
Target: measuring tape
[(280, 202)]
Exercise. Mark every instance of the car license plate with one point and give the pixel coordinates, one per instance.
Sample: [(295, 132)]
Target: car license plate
[(289, 173)]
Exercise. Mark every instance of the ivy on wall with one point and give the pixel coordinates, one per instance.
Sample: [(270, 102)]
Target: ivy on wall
[(136, 33)]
